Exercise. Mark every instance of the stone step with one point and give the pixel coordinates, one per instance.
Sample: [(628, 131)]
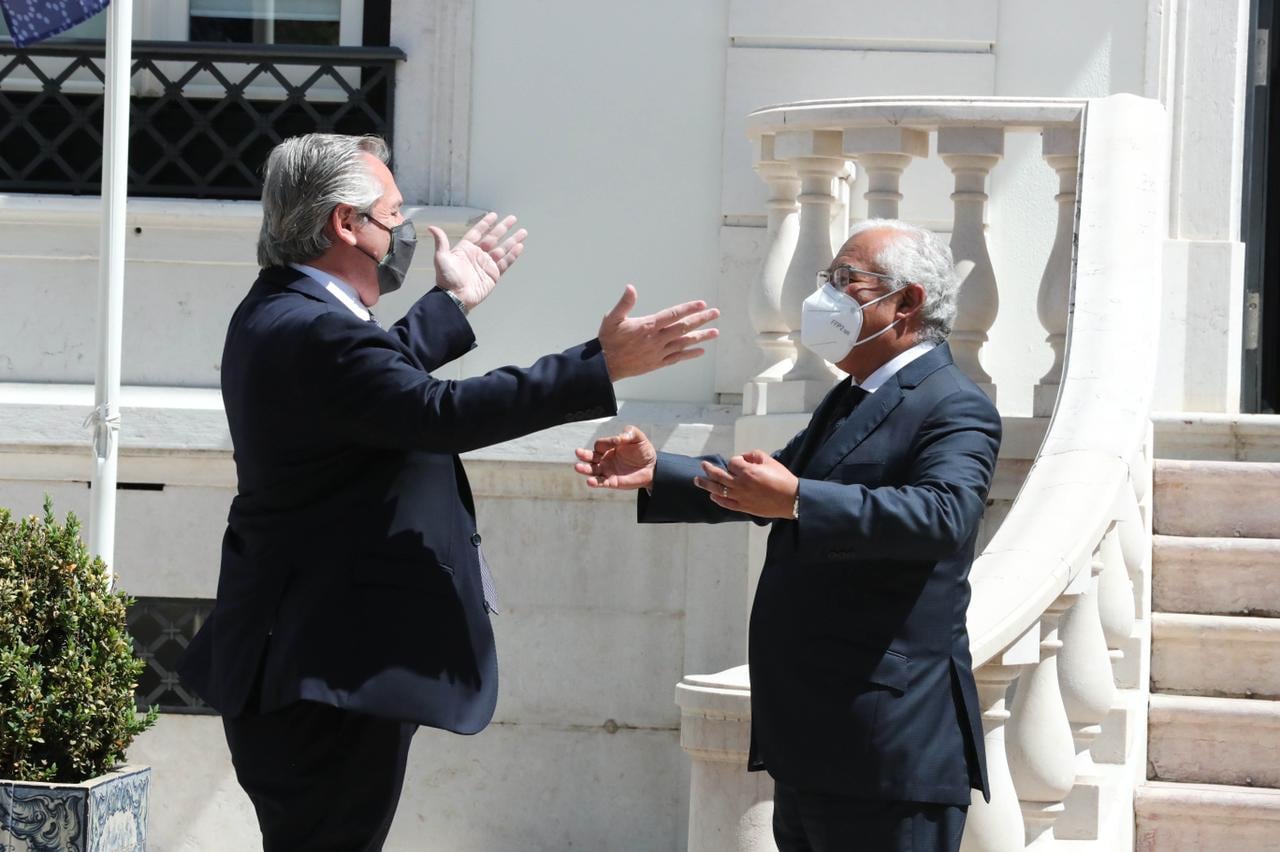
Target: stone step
[(1202, 817), (1215, 498), (1226, 576), (1221, 655), (1202, 740)]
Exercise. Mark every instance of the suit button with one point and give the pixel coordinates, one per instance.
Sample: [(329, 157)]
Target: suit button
[(475, 539)]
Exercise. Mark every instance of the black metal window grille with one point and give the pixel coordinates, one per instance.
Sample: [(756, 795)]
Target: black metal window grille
[(203, 118), (161, 629)]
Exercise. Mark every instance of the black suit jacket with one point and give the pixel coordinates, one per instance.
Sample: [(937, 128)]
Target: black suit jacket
[(861, 679), (350, 571)]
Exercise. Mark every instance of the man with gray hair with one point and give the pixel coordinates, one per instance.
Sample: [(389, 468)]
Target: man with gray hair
[(354, 598), (863, 704)]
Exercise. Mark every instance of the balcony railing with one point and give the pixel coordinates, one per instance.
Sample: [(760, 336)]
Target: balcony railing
[(1061, 590), (202, 116)]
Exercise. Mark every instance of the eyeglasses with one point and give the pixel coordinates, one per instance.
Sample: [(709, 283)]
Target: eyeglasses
[(842, 276)]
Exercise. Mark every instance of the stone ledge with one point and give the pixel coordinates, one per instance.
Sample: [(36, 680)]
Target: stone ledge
[(1215, 655), (187, 213), (1214, 740), (1217, 499), (1217, 437), (1174, 817), (180, 436), (176, 434), (1220, 801), (1226, 576)]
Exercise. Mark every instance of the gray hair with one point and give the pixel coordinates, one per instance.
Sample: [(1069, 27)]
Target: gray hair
[(306, 177), (918, 256)]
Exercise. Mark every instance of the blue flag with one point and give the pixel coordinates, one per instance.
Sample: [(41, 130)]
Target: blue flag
[(30, 21)]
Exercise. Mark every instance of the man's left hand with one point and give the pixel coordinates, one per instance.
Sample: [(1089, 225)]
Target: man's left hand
[(755, 483), (471, 269)]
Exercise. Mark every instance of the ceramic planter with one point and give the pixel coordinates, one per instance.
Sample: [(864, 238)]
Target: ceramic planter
[(103, 814)]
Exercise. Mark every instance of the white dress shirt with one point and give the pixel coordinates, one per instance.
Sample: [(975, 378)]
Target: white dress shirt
[(890, 368), (344, 292)]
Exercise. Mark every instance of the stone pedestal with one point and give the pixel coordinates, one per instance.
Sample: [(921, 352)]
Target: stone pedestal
[(730, 810)]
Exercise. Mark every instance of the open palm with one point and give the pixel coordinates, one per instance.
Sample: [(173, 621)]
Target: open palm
[(471, 269)]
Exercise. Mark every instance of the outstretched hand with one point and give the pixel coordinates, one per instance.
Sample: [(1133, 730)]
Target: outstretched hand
[(623, 461), (634, 346), (471, 269), (755, 483)]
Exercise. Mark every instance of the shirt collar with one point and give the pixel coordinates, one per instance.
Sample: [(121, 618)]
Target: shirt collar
[(890, 368), (343, 291)]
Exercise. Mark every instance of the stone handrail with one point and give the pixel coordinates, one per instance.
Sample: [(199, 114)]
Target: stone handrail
[(1060, 593)]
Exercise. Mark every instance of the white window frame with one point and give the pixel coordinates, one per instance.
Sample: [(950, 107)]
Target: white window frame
[(170, 20), (432, 133)]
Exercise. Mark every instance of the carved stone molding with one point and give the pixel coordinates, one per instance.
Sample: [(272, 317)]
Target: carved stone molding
[(433, 119)]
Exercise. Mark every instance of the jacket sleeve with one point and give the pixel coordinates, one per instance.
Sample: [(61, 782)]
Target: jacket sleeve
[(356, 385), (930, 518), (675, 499), (435, 330)]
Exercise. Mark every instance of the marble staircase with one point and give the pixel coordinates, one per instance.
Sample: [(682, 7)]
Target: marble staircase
[(1214, 720)]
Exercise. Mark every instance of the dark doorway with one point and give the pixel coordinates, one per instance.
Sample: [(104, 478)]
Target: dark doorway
[(1260, 226)]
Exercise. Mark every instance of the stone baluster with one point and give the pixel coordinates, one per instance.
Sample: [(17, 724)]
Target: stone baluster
[(1088, 692), (1135, 545), (817, 159), (1060, 147), (996, 826), (971, 153), (840, 211), (1133, 534), (1139, 475), (1115, 596), (1038, 736), (884, 154), (764, 304)]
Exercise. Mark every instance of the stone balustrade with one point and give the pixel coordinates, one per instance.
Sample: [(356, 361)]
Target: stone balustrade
[(1059, 622)]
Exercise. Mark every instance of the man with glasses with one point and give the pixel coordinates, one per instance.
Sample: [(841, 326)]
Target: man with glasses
[(863, 703), (354, 598)]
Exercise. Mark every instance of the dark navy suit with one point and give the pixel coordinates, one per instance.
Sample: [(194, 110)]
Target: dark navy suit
[(350, 565), (861, 679)]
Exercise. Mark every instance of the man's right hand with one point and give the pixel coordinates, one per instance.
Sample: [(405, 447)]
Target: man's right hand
[(634, 346), (624, 461)]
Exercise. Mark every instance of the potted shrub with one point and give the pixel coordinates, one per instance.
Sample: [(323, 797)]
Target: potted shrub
[(67, 708)]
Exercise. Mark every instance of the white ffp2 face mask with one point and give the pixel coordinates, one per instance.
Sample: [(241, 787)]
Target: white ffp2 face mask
[(831, 320)]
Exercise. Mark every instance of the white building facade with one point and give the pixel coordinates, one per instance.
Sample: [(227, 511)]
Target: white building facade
[(620, 136)]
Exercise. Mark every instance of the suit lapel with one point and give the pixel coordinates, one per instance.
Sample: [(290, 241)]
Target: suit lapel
[(861, 423), (871, 413)]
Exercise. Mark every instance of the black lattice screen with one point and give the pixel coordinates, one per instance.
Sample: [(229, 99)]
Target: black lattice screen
[(161, 629), (202, 120)]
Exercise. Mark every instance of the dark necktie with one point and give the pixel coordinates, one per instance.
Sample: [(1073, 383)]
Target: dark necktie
[(844, 399), (848, 401)]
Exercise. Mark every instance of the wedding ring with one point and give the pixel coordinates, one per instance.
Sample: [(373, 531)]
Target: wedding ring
[(724, 491)]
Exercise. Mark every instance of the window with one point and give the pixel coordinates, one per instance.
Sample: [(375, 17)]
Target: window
[(267, 21), (203, 114)]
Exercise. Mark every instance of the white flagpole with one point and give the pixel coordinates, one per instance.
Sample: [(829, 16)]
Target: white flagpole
[(105, 417)]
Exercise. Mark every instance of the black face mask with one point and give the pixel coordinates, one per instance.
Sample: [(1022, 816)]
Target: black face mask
[(394, 265)]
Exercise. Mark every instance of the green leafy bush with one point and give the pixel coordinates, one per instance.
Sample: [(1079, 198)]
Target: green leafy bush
[(67, 667)]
